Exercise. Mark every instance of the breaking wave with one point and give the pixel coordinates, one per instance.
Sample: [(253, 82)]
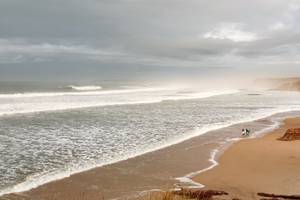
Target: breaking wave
[(51, 101), (85, 88)]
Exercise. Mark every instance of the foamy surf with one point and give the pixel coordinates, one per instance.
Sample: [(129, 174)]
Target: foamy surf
[(187, 179), (41, 179), (204, 115), (41, 102), (85, 88), (85, 93)]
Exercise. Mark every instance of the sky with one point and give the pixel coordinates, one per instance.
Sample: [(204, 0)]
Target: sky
[(54, 36)]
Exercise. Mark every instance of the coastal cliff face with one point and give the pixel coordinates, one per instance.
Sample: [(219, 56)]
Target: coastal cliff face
[(289, 84), (291, 134)]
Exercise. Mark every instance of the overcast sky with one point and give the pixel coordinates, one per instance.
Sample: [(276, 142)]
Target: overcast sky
[(179, 33)]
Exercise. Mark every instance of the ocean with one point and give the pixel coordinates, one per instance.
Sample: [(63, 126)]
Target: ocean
[(50, 131)]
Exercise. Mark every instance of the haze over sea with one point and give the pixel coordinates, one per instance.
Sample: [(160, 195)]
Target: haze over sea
[(50, 130)]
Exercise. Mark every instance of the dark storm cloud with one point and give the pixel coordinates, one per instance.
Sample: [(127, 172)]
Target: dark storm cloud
[(156, 32)]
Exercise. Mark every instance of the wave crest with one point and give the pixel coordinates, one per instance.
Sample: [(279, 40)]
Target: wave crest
[(85, 88), (39, 102)]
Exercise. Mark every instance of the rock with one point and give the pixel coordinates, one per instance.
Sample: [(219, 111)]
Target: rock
[(278, 196), (291, 134), (199, 194)]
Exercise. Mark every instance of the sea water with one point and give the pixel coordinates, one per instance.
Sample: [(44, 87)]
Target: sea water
[(48, 134)]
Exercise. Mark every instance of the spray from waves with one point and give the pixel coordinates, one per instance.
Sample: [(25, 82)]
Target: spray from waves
[(54, 94), (41, 102), (85, 88), (41, 179)]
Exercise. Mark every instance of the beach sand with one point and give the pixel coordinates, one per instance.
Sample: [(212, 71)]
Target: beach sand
[(258, 165), (125, 179), (247, 167)]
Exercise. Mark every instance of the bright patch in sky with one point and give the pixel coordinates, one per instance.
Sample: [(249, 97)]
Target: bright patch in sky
[(230, 32), (278, 26)]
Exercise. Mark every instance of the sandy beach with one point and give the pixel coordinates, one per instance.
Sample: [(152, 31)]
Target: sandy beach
[(126, 179), (248, 166), (258, 165)]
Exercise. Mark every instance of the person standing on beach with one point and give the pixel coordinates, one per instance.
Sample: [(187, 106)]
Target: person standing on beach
[(245, 132)]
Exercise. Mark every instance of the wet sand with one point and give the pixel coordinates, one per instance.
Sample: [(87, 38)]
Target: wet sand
[(258, 165), (158, 169), (128, 178)]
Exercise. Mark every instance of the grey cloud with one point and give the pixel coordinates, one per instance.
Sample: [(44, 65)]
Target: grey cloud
[(156, 32)]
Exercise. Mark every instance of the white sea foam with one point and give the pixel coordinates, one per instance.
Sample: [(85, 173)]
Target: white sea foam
[(86, 93), (85, 88), (187, 179), (48, 176), (39, 102), (40, 179)]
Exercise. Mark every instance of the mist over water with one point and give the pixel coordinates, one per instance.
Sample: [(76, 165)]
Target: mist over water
[(51, 132), (37, 102), (55, 127)]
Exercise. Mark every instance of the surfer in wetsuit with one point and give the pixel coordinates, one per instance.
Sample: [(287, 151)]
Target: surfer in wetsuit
[(245, 132)]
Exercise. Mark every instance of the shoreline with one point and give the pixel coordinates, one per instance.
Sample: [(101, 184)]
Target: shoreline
[(29, 186), (217, 153), (172, 146), (237, 167)]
